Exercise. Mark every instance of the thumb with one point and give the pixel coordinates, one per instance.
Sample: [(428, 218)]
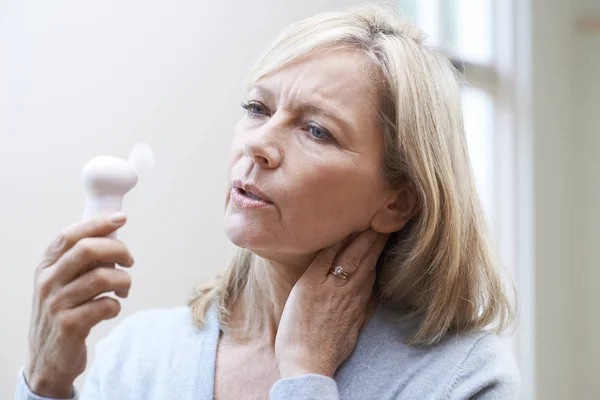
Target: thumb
[(319, 268)]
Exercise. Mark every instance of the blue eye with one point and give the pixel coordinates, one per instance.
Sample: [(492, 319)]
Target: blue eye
[(318, 133), (254, 108)]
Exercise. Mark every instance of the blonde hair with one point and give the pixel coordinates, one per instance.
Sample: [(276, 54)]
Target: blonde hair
[(442, 266)]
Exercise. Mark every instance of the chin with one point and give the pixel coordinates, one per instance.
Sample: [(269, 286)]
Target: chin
[(243, 234), (258, 245), (237, 238), (264, 238), (260, 240), (265, 246)]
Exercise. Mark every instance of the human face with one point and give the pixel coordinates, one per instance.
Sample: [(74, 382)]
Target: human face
[(310, 148)]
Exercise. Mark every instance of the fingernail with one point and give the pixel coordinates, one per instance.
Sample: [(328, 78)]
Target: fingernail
[(117, 218)]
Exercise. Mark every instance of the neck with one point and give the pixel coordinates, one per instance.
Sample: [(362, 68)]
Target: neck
[(267, 290)]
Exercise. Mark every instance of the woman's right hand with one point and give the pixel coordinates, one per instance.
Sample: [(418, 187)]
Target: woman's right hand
[(65, 308)]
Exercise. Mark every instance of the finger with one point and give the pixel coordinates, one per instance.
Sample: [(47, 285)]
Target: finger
[(120, 293), (88, 253), (90, 285), (365, 291), (323, 261), (369, 261), (352, 256), (98, 226), (79, 321)]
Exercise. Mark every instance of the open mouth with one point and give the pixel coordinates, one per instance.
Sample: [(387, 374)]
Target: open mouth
[(249, 194)]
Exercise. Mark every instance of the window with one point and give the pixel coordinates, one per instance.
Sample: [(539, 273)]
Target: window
[(462, 30), (480, 36)]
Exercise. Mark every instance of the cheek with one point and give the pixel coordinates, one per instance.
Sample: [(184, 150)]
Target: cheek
[(332, 202), (236, 148)]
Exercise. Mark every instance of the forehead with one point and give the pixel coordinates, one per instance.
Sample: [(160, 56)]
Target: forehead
[(339, 77)]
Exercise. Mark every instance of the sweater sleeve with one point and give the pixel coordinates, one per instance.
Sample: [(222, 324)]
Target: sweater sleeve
[(305, 387), (24, 393), (91, 387), (488, 373)]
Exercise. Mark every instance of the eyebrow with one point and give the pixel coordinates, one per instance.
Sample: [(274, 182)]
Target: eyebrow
[(306, 107)]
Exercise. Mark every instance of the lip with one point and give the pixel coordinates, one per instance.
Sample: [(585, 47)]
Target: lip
[(241, 200), (249, 187)]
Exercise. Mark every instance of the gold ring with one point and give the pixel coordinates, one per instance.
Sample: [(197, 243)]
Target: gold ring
[(339, 272)]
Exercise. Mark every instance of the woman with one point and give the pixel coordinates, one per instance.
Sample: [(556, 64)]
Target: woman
[(365, 270)]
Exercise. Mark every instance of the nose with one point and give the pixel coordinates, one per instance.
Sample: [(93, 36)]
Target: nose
[(262, 148)]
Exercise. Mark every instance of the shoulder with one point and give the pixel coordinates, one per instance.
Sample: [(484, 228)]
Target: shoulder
[(488, 367), (461, 365)]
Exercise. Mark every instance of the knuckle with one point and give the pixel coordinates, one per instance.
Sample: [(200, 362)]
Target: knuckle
[(68, 325), (48, 260), (62, 241), (97, 222), (86, 249), (44, 285), (102, 277), (327, 256), (53, 306), (352, 261), (57, 247), (110, 308)]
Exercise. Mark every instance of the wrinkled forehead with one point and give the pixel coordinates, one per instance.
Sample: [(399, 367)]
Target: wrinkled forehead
[(341, 76)]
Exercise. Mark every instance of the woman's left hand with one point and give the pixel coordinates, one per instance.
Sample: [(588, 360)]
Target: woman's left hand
[(324, 313)]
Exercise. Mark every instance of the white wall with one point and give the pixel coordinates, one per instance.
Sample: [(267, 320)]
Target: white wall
[(80, 79), (566, 103), (586, 201), (552, 26)]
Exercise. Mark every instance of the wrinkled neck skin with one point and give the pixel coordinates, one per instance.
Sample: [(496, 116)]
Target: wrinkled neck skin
[(256, 314), (268, 288)]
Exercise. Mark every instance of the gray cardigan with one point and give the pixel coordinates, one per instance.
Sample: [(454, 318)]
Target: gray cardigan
[(160, 354)]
